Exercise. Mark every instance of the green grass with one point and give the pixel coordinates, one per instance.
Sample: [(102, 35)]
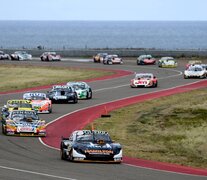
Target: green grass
[(170, 129), (14, 77)]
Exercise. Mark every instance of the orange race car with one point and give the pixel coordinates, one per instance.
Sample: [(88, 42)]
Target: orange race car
[(39, 101)]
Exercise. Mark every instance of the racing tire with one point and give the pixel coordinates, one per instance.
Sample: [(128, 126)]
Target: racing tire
[(63, 156), (75, 100), (155, 84), (50, 110), (89, 97), (185, 77), (70, 157), (109, 62), (3, 132)]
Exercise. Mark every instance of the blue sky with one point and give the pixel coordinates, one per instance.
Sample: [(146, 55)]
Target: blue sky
[(103, 10)]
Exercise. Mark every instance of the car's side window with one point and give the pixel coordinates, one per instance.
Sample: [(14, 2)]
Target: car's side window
[(71, 137)]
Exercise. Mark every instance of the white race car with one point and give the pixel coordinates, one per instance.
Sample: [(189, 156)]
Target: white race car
[(112, 59), (21, 55), (195, 71), (167, 62), (82, 89)]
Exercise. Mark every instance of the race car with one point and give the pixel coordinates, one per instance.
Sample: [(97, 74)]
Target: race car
[(50, 56), (82, 89), (19, 104), (144, 80), (39, 102), (167, 62), (23, 123), (99, 57), (193, 62), (4, 56), (146, 60), (21, 55), (195, 71), (90, 145), (62, 93), (112, 59), (15, 104)]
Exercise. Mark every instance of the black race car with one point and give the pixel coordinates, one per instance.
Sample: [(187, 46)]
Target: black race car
[(90, 145), (62, 94)]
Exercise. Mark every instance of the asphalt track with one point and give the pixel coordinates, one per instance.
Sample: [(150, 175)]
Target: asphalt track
[(27, 158)]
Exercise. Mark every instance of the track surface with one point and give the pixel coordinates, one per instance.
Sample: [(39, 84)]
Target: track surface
[(26, 158)]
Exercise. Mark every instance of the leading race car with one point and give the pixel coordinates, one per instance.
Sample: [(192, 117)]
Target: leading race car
[(195, 71), (82, 89), (144, 80), (146, 59), (90, 145), (21, 55), (62, 93), (39, 102), (167, 62), (23, 123)]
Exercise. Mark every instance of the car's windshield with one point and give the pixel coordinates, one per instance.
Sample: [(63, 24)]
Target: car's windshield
[(193, 68), (143, 76), (93, 136), (22, 115), (38, 98), (79, 86), (18, 104)]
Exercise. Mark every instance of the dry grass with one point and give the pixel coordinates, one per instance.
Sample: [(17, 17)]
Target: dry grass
[(170, 129), (13, 77)]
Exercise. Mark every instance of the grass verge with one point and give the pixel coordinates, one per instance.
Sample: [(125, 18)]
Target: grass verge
[(170, 129), (14, 77)]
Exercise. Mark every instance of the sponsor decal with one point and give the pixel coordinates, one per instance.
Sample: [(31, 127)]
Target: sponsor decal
[(99, 151)]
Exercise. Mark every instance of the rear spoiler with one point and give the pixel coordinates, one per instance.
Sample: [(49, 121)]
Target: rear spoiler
[(64, 138)]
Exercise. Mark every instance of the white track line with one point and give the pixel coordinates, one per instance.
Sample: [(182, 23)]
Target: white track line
[(36, 173)]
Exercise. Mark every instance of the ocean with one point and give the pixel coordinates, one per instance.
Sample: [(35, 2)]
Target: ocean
[(169, 35)]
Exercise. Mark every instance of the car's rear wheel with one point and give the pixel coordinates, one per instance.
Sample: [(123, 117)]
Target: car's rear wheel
[(75, 100), (155, 84), (50, 109), (89, 94)]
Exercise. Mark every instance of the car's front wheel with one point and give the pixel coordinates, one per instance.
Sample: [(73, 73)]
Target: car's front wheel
[(63, 155), (71, 158)]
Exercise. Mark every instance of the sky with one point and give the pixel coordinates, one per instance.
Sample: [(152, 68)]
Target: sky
[(100, 10)]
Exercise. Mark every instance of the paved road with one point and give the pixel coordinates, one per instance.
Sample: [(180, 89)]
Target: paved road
[(23, 158)]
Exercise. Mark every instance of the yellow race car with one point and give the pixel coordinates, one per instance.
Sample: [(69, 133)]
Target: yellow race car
[(18, 104)]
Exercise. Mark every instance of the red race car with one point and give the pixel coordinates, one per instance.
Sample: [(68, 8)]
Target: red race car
[(144, 80), (145, 60)]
